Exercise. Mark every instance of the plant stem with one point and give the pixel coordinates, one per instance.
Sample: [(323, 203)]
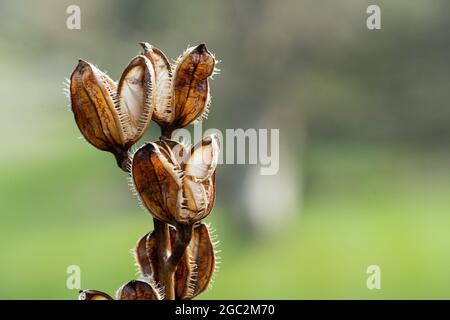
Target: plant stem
[(164, 248), (123, 160), (169, 267), (182, 240), (166, 132), (183, 237)]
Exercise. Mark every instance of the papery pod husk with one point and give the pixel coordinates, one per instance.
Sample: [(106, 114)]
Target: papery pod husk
[(137, 290), (195, 200), (136, 98), (90, 103), (146, 254), (190, 85), (162, 114), (199, 181), (196, 268), (94, 295), (203, 158), (147, 258), (210, 187), (142, 257), (157, 182), (174, 151)]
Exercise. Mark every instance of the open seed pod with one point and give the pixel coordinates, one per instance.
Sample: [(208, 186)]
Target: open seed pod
[(113, 117), (137, 290), (183, 92), (194, 271), (94, 295), (175, 185)]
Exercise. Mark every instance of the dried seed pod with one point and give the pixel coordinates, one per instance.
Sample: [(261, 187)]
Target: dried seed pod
[(157, 181), (172, 189), (182, 94), (94, 295), (142, 257), (194, 271), (196, 268), (137, 290), (93, 106), (113, 118), (190, 84)]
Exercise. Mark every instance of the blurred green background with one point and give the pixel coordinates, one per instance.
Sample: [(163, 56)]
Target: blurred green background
[(364, 125)]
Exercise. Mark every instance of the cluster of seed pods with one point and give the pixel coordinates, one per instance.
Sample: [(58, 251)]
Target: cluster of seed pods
[(175, 183)]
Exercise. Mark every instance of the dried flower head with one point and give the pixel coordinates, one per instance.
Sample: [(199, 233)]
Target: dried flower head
[(113, 117), (183, 90), (176, 185)]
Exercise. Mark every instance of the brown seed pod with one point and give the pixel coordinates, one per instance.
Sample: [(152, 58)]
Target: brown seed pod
[(94, 295), (143, 259), (92, 106), (196, 268), (182, 91), (157, 182), (113, 118), (137, 290), (194, 271), (190, 84), (175, 188)]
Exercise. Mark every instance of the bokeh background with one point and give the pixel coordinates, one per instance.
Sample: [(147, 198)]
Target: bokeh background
[(364, 123)]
